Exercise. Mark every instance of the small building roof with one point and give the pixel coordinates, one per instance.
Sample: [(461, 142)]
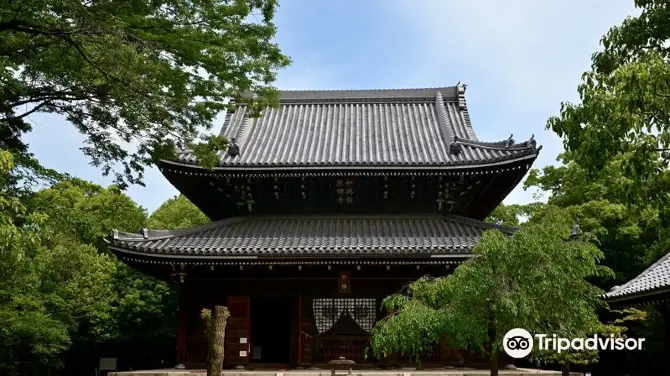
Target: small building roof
[(311, 236), (362, 128), (653, 281)]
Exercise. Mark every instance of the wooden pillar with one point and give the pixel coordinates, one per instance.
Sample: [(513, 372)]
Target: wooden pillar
[(182, 323), (299, 329)]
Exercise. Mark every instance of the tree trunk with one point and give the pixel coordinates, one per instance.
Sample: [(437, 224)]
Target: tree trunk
[(215, 326), (494, 363), (419, 365), (565, 369), (493, 352)]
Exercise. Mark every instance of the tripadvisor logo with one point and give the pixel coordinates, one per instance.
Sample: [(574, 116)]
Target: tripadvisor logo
[(518, 343)]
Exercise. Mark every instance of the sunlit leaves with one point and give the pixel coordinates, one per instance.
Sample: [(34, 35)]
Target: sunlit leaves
[(135, 78), (629, 232), (625, 104), (26, 305), (177, 212)]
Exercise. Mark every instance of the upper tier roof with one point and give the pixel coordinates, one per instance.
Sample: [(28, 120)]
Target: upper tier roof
[(362, 128), (654, 280)]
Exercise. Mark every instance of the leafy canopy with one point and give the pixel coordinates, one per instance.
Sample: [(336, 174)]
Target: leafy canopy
[(625, 104), (177, 212), (152, 74), (50, 284), (535, 280), (629, 233), (86, 213)]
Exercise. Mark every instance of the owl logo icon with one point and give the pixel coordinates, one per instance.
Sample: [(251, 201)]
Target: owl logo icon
[(518, 343)]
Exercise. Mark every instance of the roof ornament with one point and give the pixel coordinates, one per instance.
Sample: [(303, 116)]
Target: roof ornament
[(533, 142), (233, 148), (510, 140), (115, 234), (145, 233), (574, 235), (455, 148)]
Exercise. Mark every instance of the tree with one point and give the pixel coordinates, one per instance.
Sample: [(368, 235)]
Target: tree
[(630, 234), (87, 211), (512, 215), (49, 286), (625, 104), (215, 329), (177, 212), (150, 73), (500, 288), (28, 332), (136, 310)]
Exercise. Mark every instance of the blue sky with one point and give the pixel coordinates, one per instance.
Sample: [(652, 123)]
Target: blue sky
[(519, 58)]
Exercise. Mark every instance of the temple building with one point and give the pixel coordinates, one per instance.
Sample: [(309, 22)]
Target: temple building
[(320, 208)]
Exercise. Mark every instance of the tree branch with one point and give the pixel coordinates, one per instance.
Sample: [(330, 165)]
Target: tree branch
[(33, 110), (66, 35)]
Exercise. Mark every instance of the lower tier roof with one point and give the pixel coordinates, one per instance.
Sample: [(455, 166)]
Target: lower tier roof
[(310, 237)]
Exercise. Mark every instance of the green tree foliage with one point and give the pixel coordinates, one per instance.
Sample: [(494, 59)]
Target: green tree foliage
[(87, 211), (50, 287), (150, 73), (616, 173), (630, 234), (513, 215), (102, 305), (625, 104), (506, 285), (177, 212), (137, 310)]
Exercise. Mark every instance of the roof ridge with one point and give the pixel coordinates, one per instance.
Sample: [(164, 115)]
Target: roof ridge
[(509, 144), (446, 128), (451, 92), (378, 89)]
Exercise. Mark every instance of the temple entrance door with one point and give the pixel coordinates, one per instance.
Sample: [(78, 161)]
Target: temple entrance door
[(238, 331), (271, 330)]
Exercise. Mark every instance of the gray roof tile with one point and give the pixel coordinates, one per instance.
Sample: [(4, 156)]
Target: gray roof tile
[(313, 236), (361, 128), (656, 277)]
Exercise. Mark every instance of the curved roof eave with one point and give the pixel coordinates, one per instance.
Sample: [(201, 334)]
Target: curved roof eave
[(456, 237), (449, 167)]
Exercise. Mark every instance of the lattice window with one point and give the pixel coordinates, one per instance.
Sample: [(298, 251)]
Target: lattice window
[(328, 311)]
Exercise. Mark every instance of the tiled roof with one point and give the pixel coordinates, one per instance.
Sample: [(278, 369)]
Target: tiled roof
[(404, 127), (655, 278), (322, 236)]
